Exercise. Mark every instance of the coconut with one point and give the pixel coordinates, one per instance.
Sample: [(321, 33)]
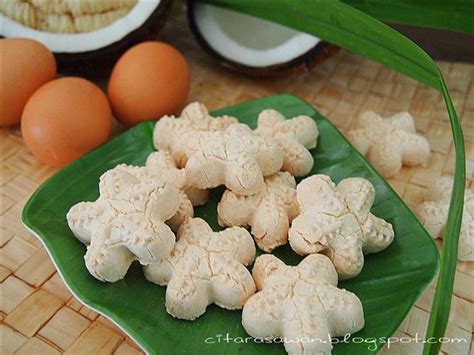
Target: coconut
[(254, 46), (87, 37)]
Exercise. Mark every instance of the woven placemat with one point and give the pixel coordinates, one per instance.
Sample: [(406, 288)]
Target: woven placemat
[(38, 313)]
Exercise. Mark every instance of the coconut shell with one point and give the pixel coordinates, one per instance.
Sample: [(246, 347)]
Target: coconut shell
[(315, 56)]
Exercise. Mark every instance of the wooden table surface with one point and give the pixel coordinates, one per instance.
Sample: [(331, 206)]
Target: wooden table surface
[(38, 313)]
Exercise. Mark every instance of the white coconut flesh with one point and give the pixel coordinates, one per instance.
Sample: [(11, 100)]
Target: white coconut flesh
[(85, 41), (249, 40)]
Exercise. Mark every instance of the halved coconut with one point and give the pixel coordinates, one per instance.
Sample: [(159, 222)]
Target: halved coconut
[(89, 53), (254, 46)]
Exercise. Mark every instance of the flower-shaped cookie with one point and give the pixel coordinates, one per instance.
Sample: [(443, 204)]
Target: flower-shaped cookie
[(160, 165), (434, 213), (268, 212), (294, 136), (205, 267), (390, 143), (301, 305), (337, 222), (126, 223), (237, 158), (169, 130)]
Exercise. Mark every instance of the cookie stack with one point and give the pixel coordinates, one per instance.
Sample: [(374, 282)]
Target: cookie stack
[(146, 214)]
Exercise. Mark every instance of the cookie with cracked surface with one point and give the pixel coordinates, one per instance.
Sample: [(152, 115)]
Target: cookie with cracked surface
[(205, 267), (160, 165), (301, 304), (236, 157), (169, 130), (268, 212), (337, 221), (294, 136), (126, 223), (389, 143), (433, 214)]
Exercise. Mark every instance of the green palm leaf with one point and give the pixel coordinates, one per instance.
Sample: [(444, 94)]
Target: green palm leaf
[(356, 31), (454, 15)]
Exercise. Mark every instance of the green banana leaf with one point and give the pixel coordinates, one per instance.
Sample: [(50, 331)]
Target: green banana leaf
[(388, 286), (356, 31), (454, 15)]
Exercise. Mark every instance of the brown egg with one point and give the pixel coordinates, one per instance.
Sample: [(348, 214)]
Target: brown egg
[(25, 65), (65, 119), (150, 80)]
